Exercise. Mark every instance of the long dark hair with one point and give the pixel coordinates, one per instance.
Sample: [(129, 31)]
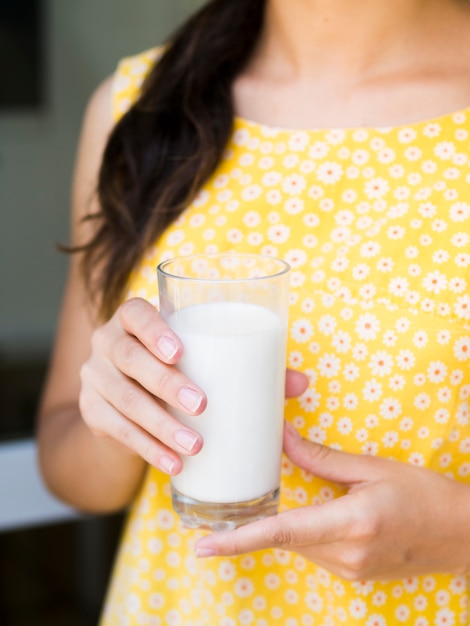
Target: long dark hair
[(169, 143)]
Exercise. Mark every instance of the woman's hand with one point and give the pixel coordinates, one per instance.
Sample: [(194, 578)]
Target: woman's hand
[(129, 379), (395, 521)]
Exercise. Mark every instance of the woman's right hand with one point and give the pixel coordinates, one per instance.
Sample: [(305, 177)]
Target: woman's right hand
[(130, 377)]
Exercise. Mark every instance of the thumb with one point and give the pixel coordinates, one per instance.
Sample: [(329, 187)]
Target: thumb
[(330, 464), (296, 383)]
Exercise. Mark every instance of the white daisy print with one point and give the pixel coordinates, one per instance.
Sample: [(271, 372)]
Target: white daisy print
[(406, 135), (445, 150), (399, 286), (422, 401), (444, 617), (361, 271), (463, 414), (243, 587), (435, 282), (252, 192), (459, 211), (329, 172), (462, 260), (419, 379), (462, 307), (368, 326), (457, 284), (327, 324), (462, 349), (370, 448), (273, 196), (295, 205), (299, 141), (420, 338), (406, 424), (370, 249), (441, 416), (379, 598), (271, 179), (397, 382), (376, 188), (344, 425), (390, 408), (317, 434), (357, 608), (340, 264), (362, 434), (290, 161), (350, 372), (360, 352), (350, 401), (341, 341), (294, 184), (329, 365), (460, 240), (440, 256), (319, 150), (309, 400), (381, 363), (314, 602), (278, 233), (385, 264), (372, 390), (302, 330), (402, 613), (437, 372)]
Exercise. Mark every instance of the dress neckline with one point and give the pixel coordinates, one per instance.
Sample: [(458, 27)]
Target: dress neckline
[(458, 116)]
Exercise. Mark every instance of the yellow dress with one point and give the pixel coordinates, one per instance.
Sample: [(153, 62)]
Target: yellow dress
[(375, 223)]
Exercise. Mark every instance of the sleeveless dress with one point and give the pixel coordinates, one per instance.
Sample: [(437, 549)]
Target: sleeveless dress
[(375, 223)]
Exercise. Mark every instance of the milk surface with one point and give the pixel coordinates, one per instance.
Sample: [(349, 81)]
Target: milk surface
[(236, 353)]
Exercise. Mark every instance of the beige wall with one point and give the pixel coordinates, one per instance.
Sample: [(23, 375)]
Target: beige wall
[(84, 41)]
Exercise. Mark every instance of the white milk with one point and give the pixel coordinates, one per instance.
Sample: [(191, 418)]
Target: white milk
[(236, 353)]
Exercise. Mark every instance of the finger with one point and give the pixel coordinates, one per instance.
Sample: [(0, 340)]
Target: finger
[(296, 383), (161, 380), (289, 530), (112, 424), (141, 319), (140, 408), (333, 465)]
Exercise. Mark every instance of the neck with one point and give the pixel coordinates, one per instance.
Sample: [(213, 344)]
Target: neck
[(302, 39)]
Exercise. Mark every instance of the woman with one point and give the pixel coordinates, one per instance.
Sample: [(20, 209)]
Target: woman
[(334, 135)]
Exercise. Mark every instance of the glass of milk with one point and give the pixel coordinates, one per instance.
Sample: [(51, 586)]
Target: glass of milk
[(230, 311)]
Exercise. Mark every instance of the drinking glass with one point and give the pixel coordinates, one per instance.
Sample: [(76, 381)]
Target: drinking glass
[(230, 311)]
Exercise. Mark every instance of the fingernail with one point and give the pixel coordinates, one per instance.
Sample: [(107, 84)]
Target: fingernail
[(186, 439), (167, 346), (202, 553), (190, 399), (167, 464)]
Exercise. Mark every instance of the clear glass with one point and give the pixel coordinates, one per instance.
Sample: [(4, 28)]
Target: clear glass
[(230, 310)]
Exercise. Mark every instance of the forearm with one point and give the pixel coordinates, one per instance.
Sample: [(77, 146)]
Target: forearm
[(90, 473), (457, 515)]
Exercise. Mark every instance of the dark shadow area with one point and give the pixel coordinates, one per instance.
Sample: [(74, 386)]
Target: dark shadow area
[(21, 382), (21, 54), (57, 575)]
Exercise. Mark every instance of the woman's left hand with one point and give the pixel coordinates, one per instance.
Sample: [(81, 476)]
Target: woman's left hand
[(395, 520)]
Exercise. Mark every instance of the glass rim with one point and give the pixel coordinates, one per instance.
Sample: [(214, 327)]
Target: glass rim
[(285, 267)]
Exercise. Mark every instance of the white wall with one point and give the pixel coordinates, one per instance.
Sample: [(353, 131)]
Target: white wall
[(84, 41)]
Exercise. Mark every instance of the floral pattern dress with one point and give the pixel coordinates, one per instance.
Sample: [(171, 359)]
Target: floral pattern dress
[(375, 223)]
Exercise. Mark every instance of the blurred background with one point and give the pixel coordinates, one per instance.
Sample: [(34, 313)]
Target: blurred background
[(54, 564)]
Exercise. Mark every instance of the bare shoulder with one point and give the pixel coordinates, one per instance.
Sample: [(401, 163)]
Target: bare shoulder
[(97, 125)]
